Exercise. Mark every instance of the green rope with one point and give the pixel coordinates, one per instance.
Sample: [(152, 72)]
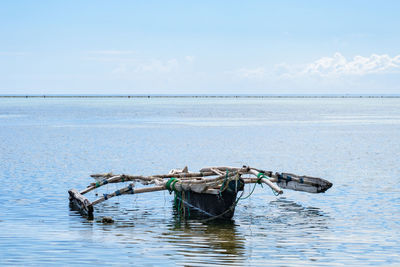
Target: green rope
[(170, 185), (223, 183), (175, 199), (254, 187), (178, 196), (178, 203), (260, 175), (275, 193)]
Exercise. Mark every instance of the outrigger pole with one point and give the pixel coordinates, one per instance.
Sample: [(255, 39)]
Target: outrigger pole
[(208, 181)]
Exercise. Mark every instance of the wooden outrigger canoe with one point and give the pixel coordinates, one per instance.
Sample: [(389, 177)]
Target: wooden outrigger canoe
[(211, 193)]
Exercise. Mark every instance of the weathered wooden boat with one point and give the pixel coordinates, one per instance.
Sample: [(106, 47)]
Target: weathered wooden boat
[(211, 193), (211, 205)]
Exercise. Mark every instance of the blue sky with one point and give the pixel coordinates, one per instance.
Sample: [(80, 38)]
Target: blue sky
[(199, 47)]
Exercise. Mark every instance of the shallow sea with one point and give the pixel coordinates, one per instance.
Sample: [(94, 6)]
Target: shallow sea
[(48, 146)]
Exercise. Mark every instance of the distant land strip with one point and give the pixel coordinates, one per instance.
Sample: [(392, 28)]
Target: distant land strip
[(199, 96)]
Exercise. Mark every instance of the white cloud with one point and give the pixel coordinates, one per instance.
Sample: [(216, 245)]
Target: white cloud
[(359, 65), (157, 66), (334, 66), (121, 69), (252, 73), (190, 59)]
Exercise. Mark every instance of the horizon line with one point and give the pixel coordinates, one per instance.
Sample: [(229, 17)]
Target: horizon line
[(201, 96)]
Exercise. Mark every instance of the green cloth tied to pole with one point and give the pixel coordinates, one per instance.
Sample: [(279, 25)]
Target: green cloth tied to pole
[(260, 175)]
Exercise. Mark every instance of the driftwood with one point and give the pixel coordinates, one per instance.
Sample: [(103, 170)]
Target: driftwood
[(81, 203), (210, 181)]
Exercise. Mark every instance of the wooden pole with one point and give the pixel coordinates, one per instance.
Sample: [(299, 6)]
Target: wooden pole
[(176, 175), (224, 168), (267, 182), (108, 178), (179, 187), (128, 190)]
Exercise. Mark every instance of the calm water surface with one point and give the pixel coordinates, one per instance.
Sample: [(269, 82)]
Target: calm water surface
[(48, 146)]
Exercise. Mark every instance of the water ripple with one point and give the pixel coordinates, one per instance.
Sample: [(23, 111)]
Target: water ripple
[(49, 146)]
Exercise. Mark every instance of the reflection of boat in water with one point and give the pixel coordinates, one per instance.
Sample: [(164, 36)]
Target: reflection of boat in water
[(218, 240), (211, 192)]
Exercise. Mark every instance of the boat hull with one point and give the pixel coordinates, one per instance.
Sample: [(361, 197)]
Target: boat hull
[(212, 206)]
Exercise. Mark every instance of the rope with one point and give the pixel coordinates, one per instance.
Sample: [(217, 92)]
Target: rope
[(223, 183), (274, 192), (260, 175), (225, 212), (170, 185), (179, 203), (254, 187)]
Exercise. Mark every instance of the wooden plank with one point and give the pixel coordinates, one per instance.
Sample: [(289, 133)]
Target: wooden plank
[(296, 182), (303, 183)]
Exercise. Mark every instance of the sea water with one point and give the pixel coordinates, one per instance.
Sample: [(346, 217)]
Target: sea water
[(50, 145)]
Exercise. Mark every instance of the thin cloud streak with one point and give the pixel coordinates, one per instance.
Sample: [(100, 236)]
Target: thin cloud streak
[(112, 52), (149, 66), (12, 53)]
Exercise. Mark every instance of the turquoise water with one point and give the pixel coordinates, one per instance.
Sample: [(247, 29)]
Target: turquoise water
[(51, 145)]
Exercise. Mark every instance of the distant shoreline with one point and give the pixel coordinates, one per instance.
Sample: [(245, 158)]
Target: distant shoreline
[(199, 96)]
